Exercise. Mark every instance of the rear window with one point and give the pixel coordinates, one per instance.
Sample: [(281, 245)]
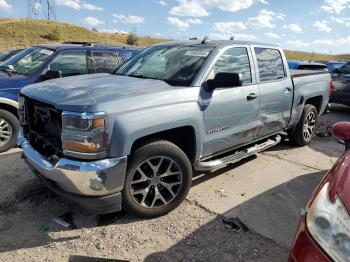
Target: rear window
[(270, 64)]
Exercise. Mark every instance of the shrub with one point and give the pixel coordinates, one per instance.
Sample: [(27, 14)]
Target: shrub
[(54, 35), (132, 39)]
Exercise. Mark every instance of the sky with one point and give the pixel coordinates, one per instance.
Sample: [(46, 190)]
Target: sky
[(305, 25)]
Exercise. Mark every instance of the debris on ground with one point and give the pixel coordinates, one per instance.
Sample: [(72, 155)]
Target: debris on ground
[(221, 193), (235, 223), (66, 220)]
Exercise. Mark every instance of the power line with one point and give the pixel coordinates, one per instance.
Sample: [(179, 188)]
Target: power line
[(44, 7)]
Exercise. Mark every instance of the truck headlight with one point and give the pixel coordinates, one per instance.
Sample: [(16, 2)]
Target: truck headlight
[(329, 225), (84, 134)]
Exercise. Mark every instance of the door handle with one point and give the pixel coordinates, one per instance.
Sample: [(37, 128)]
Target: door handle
[(251, 96), (288, 90)]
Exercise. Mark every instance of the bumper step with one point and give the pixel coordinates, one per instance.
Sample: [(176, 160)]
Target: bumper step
[(237, 156)]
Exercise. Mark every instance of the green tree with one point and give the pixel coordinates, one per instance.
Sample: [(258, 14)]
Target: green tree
[(132, 39), (94, 29)]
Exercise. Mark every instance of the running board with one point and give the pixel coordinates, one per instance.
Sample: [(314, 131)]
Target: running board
[(219, 163)]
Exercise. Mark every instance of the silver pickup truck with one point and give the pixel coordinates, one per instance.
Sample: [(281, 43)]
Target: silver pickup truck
[(134, 138)]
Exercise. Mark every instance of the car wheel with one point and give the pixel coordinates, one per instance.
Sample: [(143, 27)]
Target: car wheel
[(305, 130), (9, 128), (158, 179)]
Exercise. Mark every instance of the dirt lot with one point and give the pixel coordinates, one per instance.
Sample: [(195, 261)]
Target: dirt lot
[(266, 192)]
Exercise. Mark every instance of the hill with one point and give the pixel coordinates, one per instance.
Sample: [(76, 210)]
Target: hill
[(19, 33), (295, 55)]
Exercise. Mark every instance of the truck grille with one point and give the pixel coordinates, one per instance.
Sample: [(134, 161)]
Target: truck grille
[(44, 127)]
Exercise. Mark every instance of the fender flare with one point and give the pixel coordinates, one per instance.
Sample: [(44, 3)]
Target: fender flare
[(9, 102)]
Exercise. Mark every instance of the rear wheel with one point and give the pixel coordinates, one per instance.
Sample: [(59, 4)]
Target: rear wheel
[(158, 179), (305, 130), (9, 128)]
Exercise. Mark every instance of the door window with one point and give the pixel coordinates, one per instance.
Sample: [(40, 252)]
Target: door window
[(346, 69), (270, 64), (70, 63), (105, 62), (234, 60)]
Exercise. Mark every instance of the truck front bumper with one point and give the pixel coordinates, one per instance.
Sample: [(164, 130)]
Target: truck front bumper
[(95, 185)]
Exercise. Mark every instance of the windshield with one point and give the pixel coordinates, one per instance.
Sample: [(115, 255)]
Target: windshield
[(176, 65), (27, 61)]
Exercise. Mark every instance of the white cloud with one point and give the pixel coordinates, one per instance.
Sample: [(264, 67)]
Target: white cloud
[(298, 43), (243, 37), (265, 18), (335, 6), (5, 6), (114, 31), (333, 42), (200, 8), (273, 35), (131, 19), (188, 8), (77, 5), (341, 20), (322, 42), (295, 28), (183, 25), (91, 7), (229, 27), (322, 26), (93, 21), (161, 2)]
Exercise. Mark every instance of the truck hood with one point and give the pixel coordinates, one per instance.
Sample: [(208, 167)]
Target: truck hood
[(85, 93), (13, 81)]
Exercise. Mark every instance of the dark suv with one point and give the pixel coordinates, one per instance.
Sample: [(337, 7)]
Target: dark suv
[(43, 62), (341, 85)]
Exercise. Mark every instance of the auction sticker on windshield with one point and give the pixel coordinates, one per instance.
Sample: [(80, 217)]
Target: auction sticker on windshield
[(46, 52), (197, 53)]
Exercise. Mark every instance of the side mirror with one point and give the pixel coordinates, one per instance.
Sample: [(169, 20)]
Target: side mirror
[(341, 131), (225, 80), (51, 74)]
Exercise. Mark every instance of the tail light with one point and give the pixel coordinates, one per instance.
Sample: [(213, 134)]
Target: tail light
[(331, 88)]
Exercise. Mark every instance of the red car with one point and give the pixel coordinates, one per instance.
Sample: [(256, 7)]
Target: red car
[(324, 229)]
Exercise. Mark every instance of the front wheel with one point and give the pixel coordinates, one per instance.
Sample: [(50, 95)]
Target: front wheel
[(9, 128), (305, 130), (158, 179)]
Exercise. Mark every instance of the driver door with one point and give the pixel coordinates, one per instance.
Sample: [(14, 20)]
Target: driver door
[(231, 114)]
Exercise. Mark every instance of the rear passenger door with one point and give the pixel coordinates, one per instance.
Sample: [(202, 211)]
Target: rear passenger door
[(276, 90), (230, 116)]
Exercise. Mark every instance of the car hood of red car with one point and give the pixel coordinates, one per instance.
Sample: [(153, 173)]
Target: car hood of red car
[(339, 178)]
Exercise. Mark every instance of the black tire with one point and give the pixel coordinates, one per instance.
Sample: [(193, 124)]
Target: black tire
[(14, 126), (166, 151), (298, 135)]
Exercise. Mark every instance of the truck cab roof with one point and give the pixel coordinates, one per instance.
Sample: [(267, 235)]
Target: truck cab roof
[(214, 43)]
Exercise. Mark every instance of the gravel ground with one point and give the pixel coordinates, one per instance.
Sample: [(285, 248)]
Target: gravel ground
[(190, 233)]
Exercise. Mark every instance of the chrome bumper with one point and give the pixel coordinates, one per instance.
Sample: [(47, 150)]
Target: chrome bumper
[(92, 179)]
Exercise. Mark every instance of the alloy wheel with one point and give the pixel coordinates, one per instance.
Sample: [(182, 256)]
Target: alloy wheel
[(5, 132), (156, 182), (309, 125)]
